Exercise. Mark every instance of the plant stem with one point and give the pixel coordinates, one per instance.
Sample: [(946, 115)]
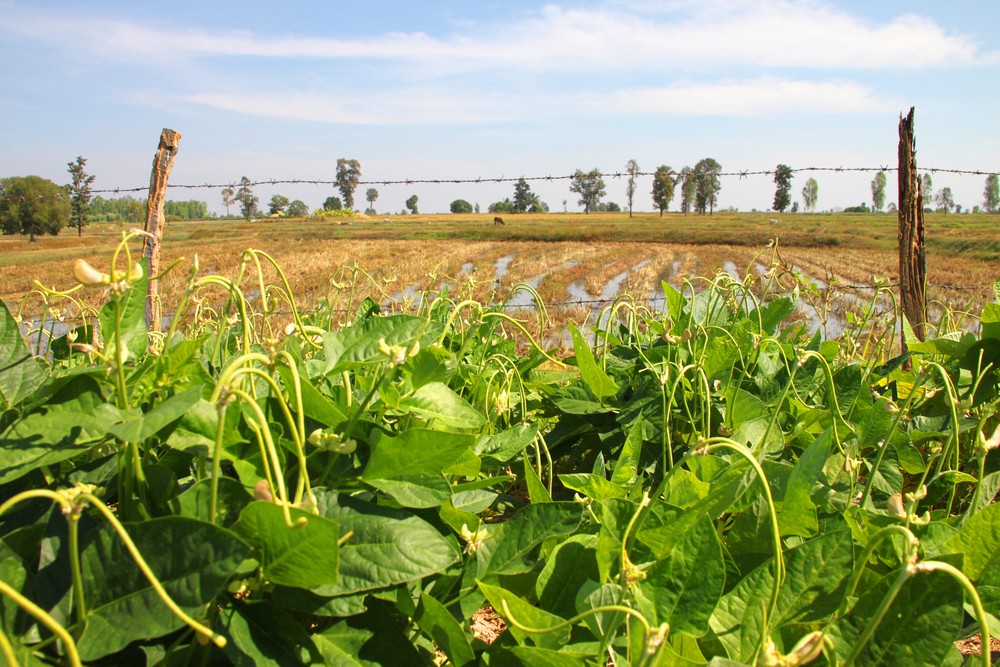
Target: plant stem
[(72, 655)]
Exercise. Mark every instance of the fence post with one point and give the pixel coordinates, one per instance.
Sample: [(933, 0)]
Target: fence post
[(163, 163), (912, 257)]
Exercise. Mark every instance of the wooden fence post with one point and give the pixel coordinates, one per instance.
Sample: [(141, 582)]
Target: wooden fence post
[(163, 163), (912, 257)]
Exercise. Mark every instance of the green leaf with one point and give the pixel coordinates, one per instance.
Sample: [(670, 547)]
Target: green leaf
[(195, 501), (358, 345), (437, 623), (568, 568), (408, 467), (315, 404), (341, 645), (773, 314), (303, 556), (596, 487), (192, 559), (797, 512), (20, 373), (130, 310), (537, 492), (595, 378), (979, 540), (142, 426), (436, 401), (534, 656), (510, 548), (505, 445), (387, 546), (526, 614), (260, 633)]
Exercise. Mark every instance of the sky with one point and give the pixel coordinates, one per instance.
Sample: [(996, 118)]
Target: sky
[(466, 90)]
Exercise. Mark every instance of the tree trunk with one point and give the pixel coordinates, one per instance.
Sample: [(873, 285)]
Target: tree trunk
[(912, 257), (163, 163)]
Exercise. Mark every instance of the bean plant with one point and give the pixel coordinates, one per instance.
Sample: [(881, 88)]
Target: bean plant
[(706, 484)]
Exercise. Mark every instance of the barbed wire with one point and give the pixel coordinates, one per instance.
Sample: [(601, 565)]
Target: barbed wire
[(741, 174)]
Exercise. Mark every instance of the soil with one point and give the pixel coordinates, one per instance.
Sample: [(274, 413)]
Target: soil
[(973, 647)]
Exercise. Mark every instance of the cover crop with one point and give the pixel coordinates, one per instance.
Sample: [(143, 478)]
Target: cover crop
[(705, 485)]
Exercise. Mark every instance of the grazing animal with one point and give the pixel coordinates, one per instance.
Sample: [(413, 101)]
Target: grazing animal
[(386, 220), (498, 221)]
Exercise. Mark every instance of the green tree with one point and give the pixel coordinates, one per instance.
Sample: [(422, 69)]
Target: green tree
[(297, 209), (371, 195), (460, 206), (664, 181), (348, 175), (228, 198), (783, 180), (632, 168), (991, 194), (248, 202), (278, 205), (332, 204), (590, 187), (32, 205), (689, 188), (878, 191), (524, 198), (706, 175), (411, 204), (945, 200), (79, 194), (505, 206), (926, 188), (810, 194)]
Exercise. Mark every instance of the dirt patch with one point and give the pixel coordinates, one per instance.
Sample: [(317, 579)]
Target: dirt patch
[(487, 625), (973, 646)]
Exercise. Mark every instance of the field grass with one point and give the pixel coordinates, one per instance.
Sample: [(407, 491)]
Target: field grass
[(564, 256)]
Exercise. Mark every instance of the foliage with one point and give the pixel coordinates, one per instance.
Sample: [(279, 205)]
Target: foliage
[(810, 195), (32, 205), (411, 204), (228, 197), (505, 206), (706, 178), (945, 200), (878, 191), (860, 208), (297, 209), (524, 198), (332, 204), (632, 169), (783, 180), (348, 176), (79, 193), (991, 194), (248, 202), (689, 188), (371, 195), (926, 187), (664, 180), (590, 187), (278, 205), (460, 206)]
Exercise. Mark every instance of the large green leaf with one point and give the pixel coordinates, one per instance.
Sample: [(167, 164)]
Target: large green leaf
[(387, 546), (20, 372), (593, 375), (304, 555), (797, 512), (192, 559), (437, 623), (145, 425), (529, 615), (979, 540), (510, 548), (435, 401), (125, 315), (505, 445), (358, 345), (409, 466), (568, 568), (259, 633)]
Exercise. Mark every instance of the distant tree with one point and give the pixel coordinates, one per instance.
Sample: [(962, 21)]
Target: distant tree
[(185, 210), (32, 205), (689, 188), (664, 180), (332, 204), (278, 205), (609, 207), (460, 206), (860, 208), (991, 194), (371, 195), (891, 208), (477, 207), (706, 175), (247, 200), (411, 204), (782, 194), (945, 200), (524, 198), (632, 169), (348, 175), (297, 209), (926, 188), (539, 207), (79, 194), (590, 187), (228, 198), (795, 207), (878, 191), (810, 194), (505, 206)]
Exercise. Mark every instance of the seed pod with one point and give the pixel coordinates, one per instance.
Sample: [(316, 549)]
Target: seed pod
[(88, 276)]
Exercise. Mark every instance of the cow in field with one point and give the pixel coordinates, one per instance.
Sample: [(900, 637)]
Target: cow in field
[(498, 221)]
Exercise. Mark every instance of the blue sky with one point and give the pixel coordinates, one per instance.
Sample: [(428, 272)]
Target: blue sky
[(445, 90)]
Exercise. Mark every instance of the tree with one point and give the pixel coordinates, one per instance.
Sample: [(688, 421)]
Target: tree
[(810, 194), (706, 175), (411, 204), (460, 206), (945, 200), (782, 195), (505, 206), (689, 188), (247, 200), (663, 188), (228, 197), (590, 187), (278, 205), (371, 195), (297, 209), (332, 204), (991, 194), (632, 168), (926, 188), (348, 175), (79, 194), (524, 198), (32, 205), (878, 191)]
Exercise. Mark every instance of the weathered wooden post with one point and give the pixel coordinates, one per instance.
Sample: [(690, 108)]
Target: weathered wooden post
[(912, 258), (163, 163)]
